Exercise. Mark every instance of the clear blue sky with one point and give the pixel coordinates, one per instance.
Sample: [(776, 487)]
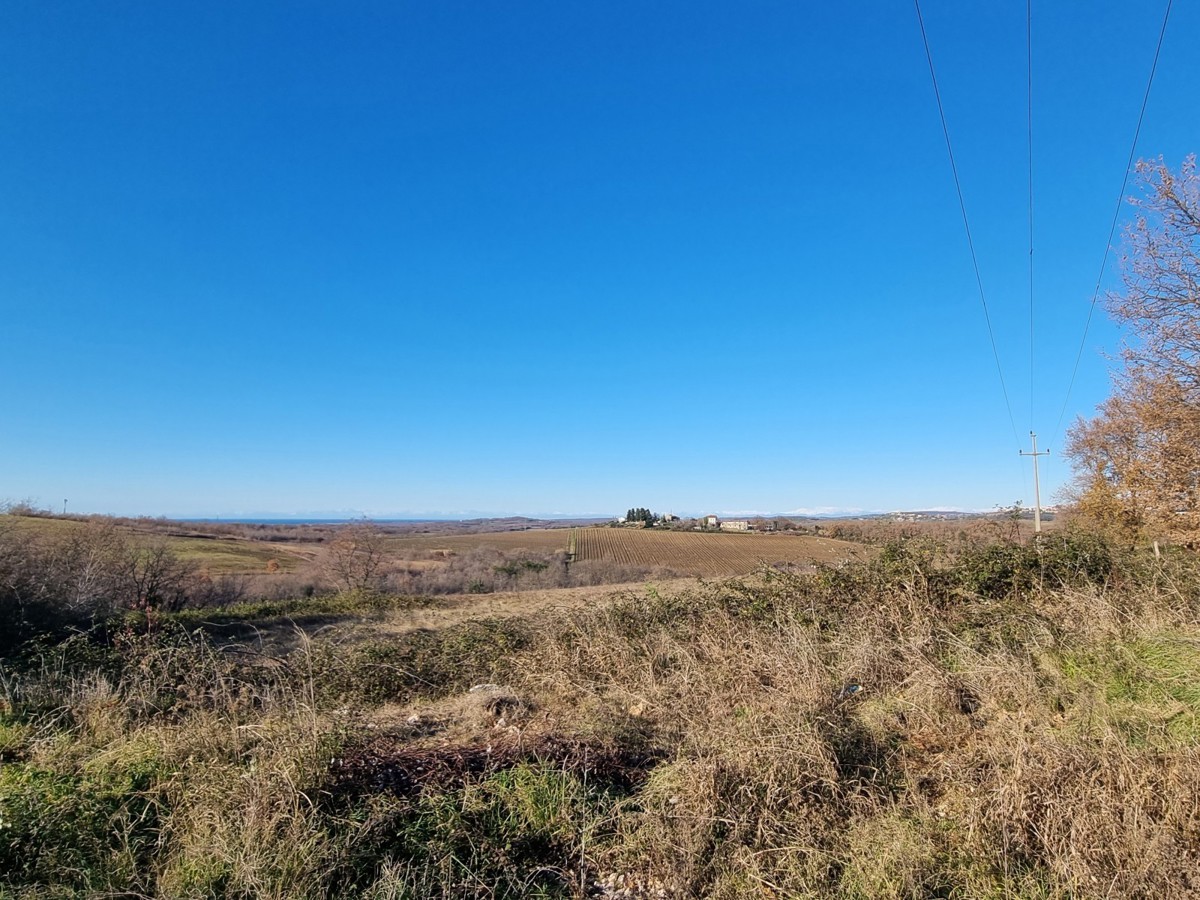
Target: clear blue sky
[(551, 257)]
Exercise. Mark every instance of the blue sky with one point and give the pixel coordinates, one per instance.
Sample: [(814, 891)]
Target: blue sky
[(403, 259)]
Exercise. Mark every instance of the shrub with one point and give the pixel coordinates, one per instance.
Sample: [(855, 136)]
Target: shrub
[(52, 583), (1060, 559)]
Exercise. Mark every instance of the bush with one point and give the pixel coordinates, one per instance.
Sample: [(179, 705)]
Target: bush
[(1056, 560), (484, 570), (53, 582)]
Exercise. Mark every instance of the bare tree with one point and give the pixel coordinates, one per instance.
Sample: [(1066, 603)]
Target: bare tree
[(355, 557), (1161, 265), (153, 576)]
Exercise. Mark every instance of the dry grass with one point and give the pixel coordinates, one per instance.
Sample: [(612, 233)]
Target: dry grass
[(175, 777), (893, 728), (455, 609), (973, 762)]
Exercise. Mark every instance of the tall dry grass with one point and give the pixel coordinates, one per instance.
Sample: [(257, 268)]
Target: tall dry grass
[(887, 731), (160, 768), (986, 720)]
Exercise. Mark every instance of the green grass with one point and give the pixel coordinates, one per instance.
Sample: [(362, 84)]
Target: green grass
[(227, 556), (1146, 687), (518, 831), (40, 524), (85, 831), (420, 664), (262, 613)]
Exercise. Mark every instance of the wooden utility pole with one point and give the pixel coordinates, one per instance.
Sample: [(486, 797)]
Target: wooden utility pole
[(1037, 490)]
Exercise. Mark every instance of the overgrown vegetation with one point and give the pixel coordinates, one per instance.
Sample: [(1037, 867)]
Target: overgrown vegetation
[(59, 573), (50, 583), (484, 570), (958, 720)]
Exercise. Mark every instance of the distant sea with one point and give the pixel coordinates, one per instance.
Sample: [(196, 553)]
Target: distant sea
[(315, 521)]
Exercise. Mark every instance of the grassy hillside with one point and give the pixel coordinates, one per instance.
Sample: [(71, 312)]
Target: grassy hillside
[(988, 720), (212, 554)]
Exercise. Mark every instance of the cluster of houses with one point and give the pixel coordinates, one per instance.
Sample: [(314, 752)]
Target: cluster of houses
[(727, 525)]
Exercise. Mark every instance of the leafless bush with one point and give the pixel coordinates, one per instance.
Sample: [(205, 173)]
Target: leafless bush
[(354, 558), (958, 530), (51, 580), (222, 590), (588, 572), (286, 586), (153, 576), (25, 507)]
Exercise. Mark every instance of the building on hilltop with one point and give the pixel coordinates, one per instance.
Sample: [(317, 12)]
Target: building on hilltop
[(735, 525)]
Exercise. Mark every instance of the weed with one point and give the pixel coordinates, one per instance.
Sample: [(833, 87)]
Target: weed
[(514, 831)]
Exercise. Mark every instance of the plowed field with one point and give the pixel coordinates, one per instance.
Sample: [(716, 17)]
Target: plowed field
[(704, 553), (544, 540)]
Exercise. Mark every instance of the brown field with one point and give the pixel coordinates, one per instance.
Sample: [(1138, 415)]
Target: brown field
[(540, 540), (705, 553), (686, 553)]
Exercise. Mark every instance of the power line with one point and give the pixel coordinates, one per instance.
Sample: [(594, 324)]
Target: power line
[(1113, 227), (1029, 132), (966, 223)]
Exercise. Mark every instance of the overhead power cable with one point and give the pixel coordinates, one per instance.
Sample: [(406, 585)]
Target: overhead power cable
[(1029, 131), (1116, 216), (966, 223)]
